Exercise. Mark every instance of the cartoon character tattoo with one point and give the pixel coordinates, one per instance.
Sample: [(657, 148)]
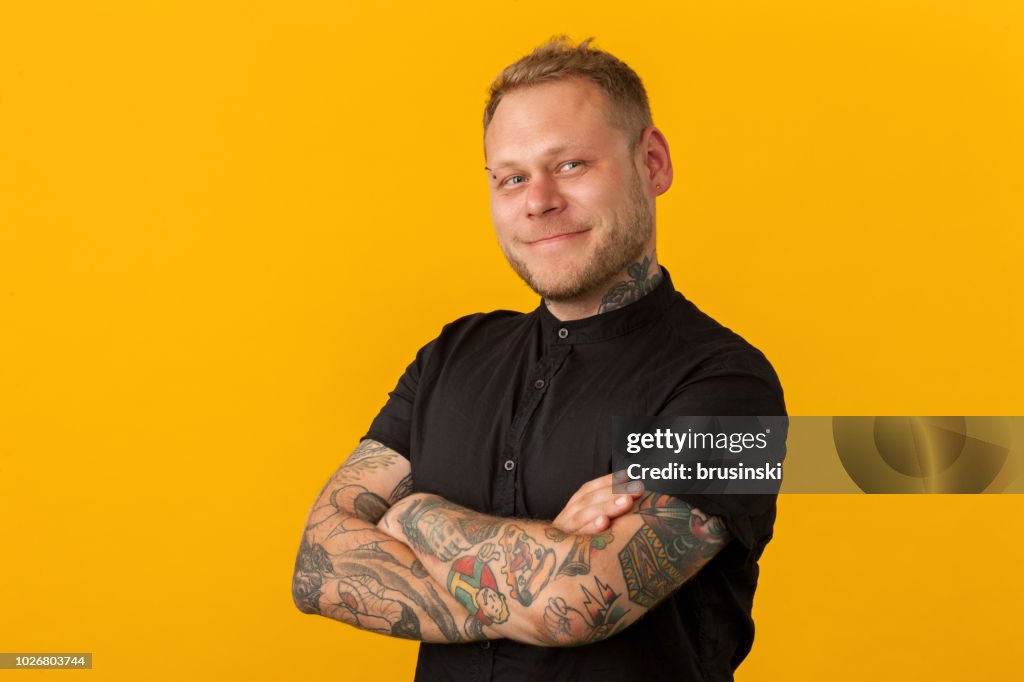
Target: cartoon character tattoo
[(472, 582)]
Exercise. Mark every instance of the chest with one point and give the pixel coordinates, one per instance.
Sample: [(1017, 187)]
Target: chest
[(517, 435)]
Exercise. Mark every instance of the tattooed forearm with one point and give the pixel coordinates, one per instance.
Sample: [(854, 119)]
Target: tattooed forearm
[(487, 563), (363, 504), (633, 289), (401, 490), (350, 571), (364, 602), (674, 541), (412, 589), (472, 582), (370, 455), (601, 617), (503, 571), (528, 564), (358, 575), (578, 560), (311, 566), (431, 527)]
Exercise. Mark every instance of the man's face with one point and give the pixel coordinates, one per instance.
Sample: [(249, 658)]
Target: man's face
[(567, 200)]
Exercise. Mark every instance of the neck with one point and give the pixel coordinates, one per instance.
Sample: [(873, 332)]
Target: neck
[(632, 284)]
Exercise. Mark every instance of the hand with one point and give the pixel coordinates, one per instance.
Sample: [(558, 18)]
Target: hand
[(389, 522), (591, 509)]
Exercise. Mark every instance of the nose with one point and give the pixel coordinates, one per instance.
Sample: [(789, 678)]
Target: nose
[(543, 197)]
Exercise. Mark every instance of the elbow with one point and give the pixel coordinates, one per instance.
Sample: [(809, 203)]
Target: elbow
[(304, 598), (305, 593), (306, 581)]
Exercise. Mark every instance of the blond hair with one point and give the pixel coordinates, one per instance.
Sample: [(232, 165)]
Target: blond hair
[(559, 59)]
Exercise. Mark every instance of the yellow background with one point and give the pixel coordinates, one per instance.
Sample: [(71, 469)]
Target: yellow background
[(225, 228)]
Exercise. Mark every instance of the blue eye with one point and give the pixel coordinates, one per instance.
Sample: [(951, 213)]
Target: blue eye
[(509, 181), (573, 164)]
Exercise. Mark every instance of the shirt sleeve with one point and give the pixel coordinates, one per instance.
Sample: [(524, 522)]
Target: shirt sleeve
[(393, 424), (742, 387)]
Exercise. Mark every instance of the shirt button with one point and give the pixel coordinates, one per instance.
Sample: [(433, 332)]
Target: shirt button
[(509, 465), (486, 644), (563, 333), (538, 384)]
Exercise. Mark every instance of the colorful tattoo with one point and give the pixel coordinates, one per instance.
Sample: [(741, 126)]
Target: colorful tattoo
[(577, 562), (472, 583), (528, 564), (672, 544)]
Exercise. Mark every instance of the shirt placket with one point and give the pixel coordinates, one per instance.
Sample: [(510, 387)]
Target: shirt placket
[(538, 383)]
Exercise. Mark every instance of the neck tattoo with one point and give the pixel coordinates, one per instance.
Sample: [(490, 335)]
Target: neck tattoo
[(633, 289)]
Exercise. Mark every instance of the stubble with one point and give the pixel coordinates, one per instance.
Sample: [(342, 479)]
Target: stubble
[(623, 247)]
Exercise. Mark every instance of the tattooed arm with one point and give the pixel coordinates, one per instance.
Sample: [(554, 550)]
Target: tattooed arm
[(350, 571), (533, 583)]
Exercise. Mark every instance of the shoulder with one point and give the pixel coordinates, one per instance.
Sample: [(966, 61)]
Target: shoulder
[(495, 321), (719, 354), (474, 339), (694, 330), (483, 330)]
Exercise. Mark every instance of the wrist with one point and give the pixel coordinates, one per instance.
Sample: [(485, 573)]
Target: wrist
[(391, 523)]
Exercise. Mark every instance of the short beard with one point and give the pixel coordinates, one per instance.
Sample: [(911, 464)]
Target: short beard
[(625, 246)]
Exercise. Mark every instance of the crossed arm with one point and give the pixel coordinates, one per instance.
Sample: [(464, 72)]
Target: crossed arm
[(534, 583), (350, 571), (437, 572)]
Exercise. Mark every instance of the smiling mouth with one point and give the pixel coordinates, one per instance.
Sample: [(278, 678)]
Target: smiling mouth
[(558, 237)]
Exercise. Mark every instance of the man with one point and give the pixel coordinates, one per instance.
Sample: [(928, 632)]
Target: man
[(503, 422)]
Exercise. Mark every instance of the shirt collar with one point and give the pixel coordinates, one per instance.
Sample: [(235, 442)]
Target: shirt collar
[(609, 325)]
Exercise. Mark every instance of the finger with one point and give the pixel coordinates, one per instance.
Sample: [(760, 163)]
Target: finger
[(604, 497), (617, 506), (620, 476), (635, 488), (560, 524), (579, 499), (596, 526), (612, 508), (596, 504), (622, 483), (595, 497), (597, 483)]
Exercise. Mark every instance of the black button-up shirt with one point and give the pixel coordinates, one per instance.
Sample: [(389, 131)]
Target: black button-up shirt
[(509, 414)]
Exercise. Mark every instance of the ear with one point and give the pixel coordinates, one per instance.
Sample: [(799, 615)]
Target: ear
[(656, 168)]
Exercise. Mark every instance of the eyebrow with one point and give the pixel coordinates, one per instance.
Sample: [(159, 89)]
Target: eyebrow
[(550, 151)]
